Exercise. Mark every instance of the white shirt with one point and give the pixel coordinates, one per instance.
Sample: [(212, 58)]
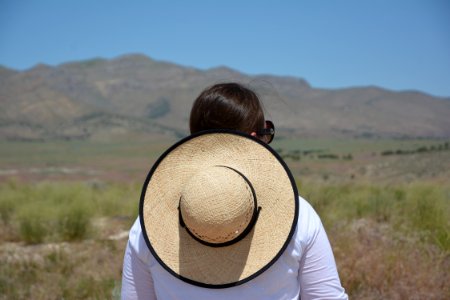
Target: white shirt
[(306, 268)]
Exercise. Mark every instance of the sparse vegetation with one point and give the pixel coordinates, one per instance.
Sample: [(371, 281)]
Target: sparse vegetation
[(60, 271), (328, 156), (390, 242), (64, 219), (378, 233), (347, 157), (421, 149), (296, 155), (420, 210), (47, 212)]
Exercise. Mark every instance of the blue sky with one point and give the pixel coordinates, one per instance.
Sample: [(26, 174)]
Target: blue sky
[(399, 45)]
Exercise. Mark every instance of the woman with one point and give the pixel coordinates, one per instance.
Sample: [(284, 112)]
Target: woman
[(300, 263)]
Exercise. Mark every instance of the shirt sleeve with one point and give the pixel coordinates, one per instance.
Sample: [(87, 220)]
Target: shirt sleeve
[(318, 274), (137, 281)]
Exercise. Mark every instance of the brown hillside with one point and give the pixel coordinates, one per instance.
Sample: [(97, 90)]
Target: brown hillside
[(134, 93)]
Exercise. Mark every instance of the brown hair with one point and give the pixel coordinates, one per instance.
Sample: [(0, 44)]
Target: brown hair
[(227, 106)]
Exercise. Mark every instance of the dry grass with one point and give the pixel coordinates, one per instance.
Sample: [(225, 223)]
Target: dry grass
[(57, 212), (390, 242), (83, 270), (375, 262)]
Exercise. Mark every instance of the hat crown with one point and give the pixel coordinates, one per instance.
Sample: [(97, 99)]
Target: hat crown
[(217, 204)]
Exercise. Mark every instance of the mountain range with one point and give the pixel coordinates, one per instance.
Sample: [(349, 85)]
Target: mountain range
[(134, 94)]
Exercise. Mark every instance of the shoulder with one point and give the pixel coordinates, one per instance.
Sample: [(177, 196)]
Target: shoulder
[(309, 224), (137, 243)]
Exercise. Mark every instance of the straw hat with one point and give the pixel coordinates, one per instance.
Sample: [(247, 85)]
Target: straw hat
[(218, 208)]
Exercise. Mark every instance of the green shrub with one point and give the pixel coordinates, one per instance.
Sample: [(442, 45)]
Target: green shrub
[(33, 227), (428, 211), (73, 222), (6, 210), (416, 209), (91, 288), (117, 200), (60, 211)]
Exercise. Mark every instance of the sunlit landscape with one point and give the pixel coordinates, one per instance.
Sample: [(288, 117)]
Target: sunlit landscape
[(66, 208), (92, 93)]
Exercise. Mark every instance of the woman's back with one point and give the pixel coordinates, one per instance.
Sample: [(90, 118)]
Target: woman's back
[(306, 264), (301, 263)]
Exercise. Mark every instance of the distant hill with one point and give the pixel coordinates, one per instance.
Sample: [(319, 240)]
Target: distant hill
[(135, 94)]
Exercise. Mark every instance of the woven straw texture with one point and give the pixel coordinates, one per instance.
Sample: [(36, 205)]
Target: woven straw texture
[(173, 177), (216, 204)]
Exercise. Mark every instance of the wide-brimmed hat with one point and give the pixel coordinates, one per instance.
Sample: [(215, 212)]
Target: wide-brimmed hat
[(218, 208)]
